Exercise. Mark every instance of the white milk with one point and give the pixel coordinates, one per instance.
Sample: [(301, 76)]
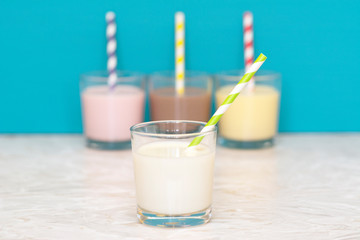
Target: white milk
[(170, 180)]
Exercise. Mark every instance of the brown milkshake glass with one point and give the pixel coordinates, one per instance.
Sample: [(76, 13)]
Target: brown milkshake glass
[(167, 104)]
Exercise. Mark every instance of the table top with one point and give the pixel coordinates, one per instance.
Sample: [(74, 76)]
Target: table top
[(306, 187)]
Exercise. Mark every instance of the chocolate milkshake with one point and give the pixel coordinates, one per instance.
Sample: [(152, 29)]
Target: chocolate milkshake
[(194, 104)]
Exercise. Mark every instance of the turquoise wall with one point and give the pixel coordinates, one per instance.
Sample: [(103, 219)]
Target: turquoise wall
[(46, 45)]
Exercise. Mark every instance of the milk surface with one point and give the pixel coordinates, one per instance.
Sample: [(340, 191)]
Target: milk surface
[(172, 181), (252, 116)]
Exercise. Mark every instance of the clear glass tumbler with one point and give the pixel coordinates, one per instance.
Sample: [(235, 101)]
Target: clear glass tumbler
[(251, 122), (109, 114), (173, 183), (194, 104)]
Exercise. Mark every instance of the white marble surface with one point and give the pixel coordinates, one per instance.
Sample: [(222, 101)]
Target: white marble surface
[(307, 187)]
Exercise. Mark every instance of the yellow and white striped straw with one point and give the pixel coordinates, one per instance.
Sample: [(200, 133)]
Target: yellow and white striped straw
[(230, 98), (179, 52)]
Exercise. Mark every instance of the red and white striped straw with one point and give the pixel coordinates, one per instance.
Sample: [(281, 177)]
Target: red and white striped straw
[(248, 45)]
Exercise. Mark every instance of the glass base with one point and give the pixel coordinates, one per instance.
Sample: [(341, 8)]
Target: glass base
[(246, 144), (100, 145), (175, 221)]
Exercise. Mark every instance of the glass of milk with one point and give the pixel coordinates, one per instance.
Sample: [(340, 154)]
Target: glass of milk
[(108, 114), (167, 104), (173, 183), (251, 122)]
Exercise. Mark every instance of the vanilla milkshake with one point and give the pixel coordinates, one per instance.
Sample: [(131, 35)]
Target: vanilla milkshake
[(252, 119), (252, 116)]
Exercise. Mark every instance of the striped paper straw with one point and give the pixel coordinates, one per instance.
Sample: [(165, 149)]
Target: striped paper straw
[(179, 52), (111, 49), (248, 45), (230, 98)]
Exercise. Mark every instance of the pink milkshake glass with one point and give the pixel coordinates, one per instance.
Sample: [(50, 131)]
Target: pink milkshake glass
[(109, 114)]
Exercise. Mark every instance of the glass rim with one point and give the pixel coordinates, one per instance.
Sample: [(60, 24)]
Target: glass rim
[(261, 75), (102, 76), (189, 74), (165, 135)]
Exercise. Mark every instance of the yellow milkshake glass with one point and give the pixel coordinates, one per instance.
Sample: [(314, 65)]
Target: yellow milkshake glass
[(108, 115), (251, 122)]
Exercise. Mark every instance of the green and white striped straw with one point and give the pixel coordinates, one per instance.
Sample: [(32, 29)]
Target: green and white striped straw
[(230, 98)]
